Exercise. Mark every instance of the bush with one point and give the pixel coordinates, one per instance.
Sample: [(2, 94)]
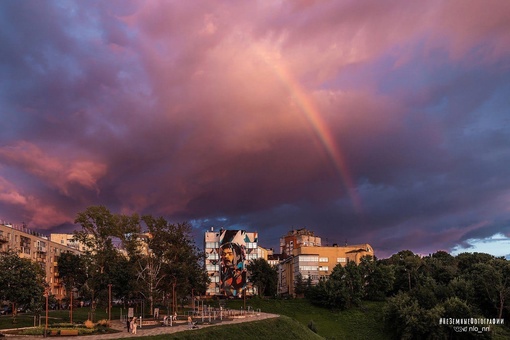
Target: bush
[(103, 323), (89, 324)]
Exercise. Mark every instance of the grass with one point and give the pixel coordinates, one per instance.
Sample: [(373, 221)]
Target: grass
[(296, 315), (276, 328), (349, 324)]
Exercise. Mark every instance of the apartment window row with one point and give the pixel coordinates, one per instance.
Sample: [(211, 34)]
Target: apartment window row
[(307, 268), (212, 267), (251, 245), (323, 259), (213, 256), (341, 260), (308, 258), (323, 268), (212, 245)]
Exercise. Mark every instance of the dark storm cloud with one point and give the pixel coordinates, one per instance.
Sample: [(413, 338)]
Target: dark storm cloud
[(241, 114)]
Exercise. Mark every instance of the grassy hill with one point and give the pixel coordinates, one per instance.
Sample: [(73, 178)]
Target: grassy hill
[(355, 323), (277, 328)]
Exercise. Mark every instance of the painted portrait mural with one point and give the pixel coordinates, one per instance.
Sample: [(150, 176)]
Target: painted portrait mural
[(232, 262)]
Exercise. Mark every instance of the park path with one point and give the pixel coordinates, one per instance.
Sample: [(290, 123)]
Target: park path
[(152, 330)]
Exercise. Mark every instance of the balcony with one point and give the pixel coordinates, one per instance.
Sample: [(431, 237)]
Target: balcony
[(41, 249)]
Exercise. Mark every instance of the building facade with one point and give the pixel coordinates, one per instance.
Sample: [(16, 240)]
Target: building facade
[(37, 248), (316, 263), (296, 239), (227, 253)]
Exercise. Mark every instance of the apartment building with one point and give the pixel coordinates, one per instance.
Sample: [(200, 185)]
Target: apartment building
[(40, 249), (316, 262), (297, 238), (227, 253)]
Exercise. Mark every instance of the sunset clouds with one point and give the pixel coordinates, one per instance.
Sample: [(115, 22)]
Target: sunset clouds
[(366, 121)]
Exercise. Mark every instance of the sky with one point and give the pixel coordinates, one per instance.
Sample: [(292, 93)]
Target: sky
[(380, 122)]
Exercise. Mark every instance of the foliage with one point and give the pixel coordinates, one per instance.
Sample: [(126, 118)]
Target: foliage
[(343, 289), (158, 263), (100, 229), (181, 264), (88, 324), (263, 276), (378, 278), (21, 280)]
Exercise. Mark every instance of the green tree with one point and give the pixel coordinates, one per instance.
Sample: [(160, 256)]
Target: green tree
[(72, 271), (492, 286), (173, 248), (104, 233), (378, 278), (21, 281), (407, 265), (263, 276), (300, 285), (406, 319)]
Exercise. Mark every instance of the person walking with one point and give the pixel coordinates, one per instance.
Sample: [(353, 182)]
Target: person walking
[(190, 322), (133, 325)]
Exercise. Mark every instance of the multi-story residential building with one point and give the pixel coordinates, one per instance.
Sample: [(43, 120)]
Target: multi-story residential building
[(296, 239), (67, 240), (272, 258), (37, 248), (227, 253), (315, 263)]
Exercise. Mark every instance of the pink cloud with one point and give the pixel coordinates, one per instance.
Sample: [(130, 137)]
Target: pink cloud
[(57, 172)]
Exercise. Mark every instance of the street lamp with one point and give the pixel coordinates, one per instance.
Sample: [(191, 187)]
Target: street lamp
[(46, 323), (109, 302)]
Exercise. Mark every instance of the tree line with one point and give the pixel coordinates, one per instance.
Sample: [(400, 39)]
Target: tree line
[(160, 264), (420, 290)]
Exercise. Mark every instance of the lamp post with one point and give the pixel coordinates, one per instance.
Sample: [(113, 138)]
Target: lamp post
[(46, 322), (71, 308), (174, 300), (109, 302)]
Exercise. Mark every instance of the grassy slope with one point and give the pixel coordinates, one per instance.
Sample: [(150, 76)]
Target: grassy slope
[(350, 324), (277, 328)]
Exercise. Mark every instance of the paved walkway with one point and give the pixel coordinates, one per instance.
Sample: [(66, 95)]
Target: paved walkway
[(151, 330)]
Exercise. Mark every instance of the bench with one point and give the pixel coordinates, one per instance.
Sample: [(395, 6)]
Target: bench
[(64, 332)]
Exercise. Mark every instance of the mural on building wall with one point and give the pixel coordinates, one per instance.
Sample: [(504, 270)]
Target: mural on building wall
[(232, 262)]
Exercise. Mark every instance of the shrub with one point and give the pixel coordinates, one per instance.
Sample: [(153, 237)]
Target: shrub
[(103, 323), (88, 324)]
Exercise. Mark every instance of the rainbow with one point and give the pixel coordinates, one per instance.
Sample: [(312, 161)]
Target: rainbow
[(321, 130)]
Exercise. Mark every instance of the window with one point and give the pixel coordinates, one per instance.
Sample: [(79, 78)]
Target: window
[(213, 256), (307, 268), (215, 278), (210, 245), (212, 267), (251, 245), (323, 259), (323, 268), (341, 260), (308, 258)]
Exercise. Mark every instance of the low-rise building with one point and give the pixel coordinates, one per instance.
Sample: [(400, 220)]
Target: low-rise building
[(315, 263)]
